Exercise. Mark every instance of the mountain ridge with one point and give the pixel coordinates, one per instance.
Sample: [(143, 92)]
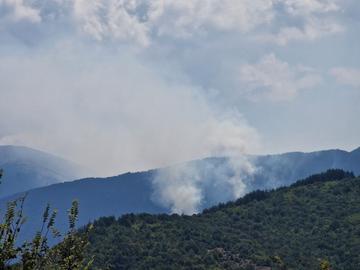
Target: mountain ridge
[(295, 227), (136, 192), (26, 168)]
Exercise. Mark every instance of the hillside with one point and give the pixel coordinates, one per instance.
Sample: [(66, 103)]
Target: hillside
[(26, 168), (135, 192), (288, 228), (128, 193)]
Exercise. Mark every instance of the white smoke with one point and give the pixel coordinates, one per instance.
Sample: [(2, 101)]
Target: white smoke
[(110, 112), (106, 84), (242, 168), (178, 189), (190, 187)]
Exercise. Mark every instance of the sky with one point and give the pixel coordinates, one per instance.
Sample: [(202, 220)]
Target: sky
[(125, 85)]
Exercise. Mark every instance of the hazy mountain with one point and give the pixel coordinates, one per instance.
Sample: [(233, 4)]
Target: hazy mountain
[(26, 168), (284, 169), (136, 192), (127, 193)]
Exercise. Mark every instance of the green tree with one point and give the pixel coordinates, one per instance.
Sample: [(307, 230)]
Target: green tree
[(324, 265), (37, 254), (69, 254)]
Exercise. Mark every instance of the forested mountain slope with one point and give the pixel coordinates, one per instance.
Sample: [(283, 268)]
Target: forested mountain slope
[(136, 192), (297, 227)]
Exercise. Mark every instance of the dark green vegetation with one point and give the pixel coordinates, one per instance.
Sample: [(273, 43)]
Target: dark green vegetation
[(37, 254), (301, 227)]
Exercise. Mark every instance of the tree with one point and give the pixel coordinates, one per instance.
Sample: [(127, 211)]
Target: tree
[(10, 226), (324, 265), (69, 254), (37, 254)]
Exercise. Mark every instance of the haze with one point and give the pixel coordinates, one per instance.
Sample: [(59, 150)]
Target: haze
[(124, 85)]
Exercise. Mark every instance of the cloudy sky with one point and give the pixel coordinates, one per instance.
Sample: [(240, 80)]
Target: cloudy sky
[(120, 85)]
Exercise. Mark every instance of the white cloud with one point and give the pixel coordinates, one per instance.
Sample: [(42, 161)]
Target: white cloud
[(303, 20), (16, 10), (185, 18), (276, 80), (308, 7), (137, 103), (111, 19), (347, 76), (142, 20), (311, 30)]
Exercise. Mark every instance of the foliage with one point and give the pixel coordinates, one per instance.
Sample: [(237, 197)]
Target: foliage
[(324, 265), (330, 175), (37, 254), (307, 226), (9, 230), (69, 254)]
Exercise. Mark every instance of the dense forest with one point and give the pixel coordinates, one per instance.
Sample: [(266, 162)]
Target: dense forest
[(313, 224)]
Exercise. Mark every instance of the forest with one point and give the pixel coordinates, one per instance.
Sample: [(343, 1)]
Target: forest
[(313, 224)]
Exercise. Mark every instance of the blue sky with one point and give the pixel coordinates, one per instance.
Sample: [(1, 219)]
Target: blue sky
[(133, 84)]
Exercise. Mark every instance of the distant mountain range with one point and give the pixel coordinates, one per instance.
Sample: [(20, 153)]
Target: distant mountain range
[(138, 192), (284, 169), (26, 168)]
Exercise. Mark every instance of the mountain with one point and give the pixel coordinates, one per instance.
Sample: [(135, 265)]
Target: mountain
[(128, 193), (143, 192), (26, 168), (314, 222), (284, 169)]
